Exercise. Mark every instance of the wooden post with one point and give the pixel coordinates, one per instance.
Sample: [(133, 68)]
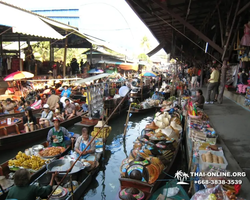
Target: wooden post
[(141, 88), (65, 55), (91, 49), (231, 29), (223, 81), (19, 53), (201, 76), (221, 27), (1, 53)]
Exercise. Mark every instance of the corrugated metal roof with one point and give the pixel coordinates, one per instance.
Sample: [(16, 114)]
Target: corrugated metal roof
[(25, 22)]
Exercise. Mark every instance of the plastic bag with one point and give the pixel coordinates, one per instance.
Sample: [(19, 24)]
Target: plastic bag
[(215, 193)]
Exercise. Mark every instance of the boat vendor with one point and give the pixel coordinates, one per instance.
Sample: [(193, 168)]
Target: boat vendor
[(67, 91), (70, 109), (46, 117), (22, 190), (156, 96), (9, 107), (82, 142), (38, 103), (200, 99), (52, 100), (56, 135), (186, 91), (29, 120)]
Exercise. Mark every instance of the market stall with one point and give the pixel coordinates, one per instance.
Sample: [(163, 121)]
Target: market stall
[(210, 176)]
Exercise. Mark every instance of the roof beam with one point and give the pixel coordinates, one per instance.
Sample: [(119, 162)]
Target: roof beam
[(190, 27), (244, 8)]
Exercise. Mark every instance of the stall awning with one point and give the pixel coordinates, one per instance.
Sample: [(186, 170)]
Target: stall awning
[(92, 78), (25, 22), (128, 66)]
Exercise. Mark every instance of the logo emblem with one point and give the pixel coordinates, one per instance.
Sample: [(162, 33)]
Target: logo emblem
[(181, 177)]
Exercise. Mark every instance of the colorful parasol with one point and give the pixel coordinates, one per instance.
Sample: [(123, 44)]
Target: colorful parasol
[(148, 73), (95, 71), (18, 76)]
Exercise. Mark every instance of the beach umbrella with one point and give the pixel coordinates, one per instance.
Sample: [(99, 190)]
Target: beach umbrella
[(18, 76), (148, 73), (95, 71)]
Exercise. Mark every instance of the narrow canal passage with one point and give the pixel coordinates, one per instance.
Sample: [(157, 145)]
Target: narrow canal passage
[(106, 184)]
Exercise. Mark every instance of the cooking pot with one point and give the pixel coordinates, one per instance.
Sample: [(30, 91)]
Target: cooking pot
[(63, 165)]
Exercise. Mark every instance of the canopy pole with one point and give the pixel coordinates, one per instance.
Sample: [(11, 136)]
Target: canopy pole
[(19, 53), (65, 55), (91, 49), (1, 53)]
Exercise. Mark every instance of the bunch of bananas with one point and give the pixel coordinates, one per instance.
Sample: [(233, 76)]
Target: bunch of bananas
[(104, 133), (29, 162)]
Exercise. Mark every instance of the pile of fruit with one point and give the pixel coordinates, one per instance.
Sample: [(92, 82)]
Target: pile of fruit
[(104, 133), (136, 106), (28, 162)]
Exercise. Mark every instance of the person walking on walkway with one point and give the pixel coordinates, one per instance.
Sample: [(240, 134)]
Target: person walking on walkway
[(194, 77), (212, 86)]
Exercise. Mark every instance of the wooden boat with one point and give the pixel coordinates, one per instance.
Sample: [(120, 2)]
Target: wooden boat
[(149, 189), (19, 114), (111, 104), (14, 136), (88, 122), (182, 194), (141, 111), (5, 170), (83, 177)]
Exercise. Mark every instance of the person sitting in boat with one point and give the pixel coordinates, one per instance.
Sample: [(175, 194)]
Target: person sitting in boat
[(70, 109), (57, 134), (22, 190), (44, 99), (59, 106), (9, 107), (52, 100), (63, 98), (82, 142), (46, 118), (20, 106), (29, 121), (186, 91), (79, 110), (37, 104), (85, 104), (59, 115), (67, 91), (156, 96), (27, 104)]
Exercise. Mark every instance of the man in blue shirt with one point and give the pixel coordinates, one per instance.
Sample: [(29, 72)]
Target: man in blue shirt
[(156, 96), (67, 91)]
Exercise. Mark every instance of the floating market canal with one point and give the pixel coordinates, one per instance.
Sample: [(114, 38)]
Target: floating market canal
[(106, 184)]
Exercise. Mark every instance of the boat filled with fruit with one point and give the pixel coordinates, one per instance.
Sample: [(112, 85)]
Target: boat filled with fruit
[(34, 159)]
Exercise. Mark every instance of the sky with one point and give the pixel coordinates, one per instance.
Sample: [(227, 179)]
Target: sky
[(111, 20)]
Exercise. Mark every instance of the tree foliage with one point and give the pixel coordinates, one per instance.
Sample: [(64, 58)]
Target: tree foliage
[(41, 51)]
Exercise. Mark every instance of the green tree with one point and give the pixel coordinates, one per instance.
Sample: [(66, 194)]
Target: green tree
[(145, 44)]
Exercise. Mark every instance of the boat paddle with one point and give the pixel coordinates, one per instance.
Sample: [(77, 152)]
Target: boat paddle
[(69, 170)]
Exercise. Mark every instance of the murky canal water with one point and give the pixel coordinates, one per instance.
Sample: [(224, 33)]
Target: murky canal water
[(106, 183)]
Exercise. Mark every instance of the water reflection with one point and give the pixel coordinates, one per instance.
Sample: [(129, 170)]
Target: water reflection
[(117, 150)]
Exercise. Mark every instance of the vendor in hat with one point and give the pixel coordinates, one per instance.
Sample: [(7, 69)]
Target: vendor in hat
[(82, 142), (67, 91), (57, 134)]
